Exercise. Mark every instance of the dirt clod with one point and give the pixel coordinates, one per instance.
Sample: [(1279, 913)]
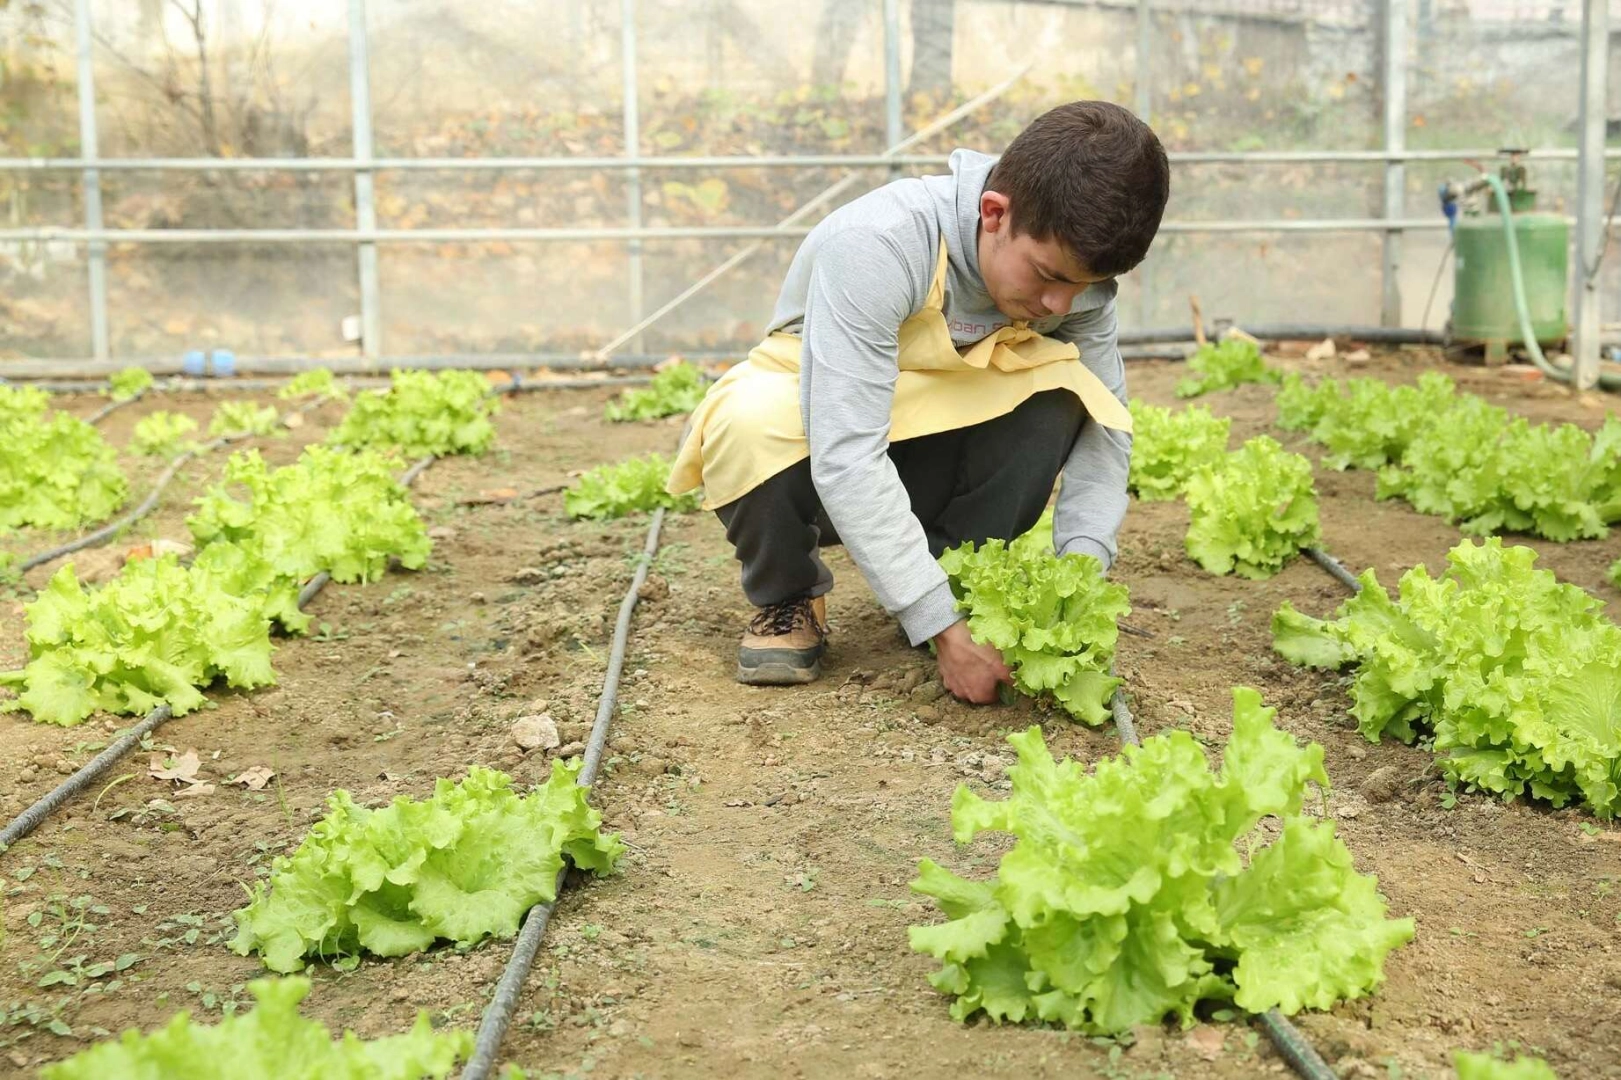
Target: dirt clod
[(1383, 784)]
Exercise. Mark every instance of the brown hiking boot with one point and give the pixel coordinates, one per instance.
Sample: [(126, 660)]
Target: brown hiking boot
[(783, 644)]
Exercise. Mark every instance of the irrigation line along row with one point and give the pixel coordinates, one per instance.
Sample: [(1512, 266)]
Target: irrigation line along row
[(1294, 1047), (498, 1016), (106, 410), (362, 382), (1335, 568), (113, 528), (30, 819)]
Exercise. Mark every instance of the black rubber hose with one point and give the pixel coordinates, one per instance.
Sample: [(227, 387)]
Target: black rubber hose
[(1335, 568), (1295, 1048), (106, 410), (27, 821), (233, 385), (1374, 335), (30, 819), (498, 1016)]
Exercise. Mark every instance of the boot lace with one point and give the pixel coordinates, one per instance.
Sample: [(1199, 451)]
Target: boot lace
[(777, 619)]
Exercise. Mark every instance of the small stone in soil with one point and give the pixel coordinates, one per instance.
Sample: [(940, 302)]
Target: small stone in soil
[(536, 732)]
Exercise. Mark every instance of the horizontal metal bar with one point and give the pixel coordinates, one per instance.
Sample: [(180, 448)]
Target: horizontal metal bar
[(44, 234), (50, 234), (737, 161), (164, 366)]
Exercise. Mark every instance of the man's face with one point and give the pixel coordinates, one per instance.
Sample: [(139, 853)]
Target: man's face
[(1027, 279)]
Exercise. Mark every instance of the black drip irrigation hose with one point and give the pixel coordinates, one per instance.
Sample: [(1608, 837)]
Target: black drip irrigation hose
[(1291, 1044), (1335, 568), (106, 410), (30, 819), (231, 385), (498, 1016)]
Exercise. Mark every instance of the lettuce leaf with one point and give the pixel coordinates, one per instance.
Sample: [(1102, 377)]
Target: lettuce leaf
[(1515, 675), (1168, 446), (462, 865), (1252, 511), (1124, 898), (273, 1042), (675, 390)]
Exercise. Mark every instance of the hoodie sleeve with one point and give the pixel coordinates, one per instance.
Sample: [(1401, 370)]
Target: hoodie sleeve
[(861, 289), (1092, 497)]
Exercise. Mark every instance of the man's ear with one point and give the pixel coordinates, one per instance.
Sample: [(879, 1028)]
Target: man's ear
[(993, 211)]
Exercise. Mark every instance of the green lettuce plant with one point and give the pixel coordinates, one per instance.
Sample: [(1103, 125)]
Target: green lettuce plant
[(1486, 1067), (162, 434), (243, 418), (154, 635), (1125, 898), (332, 510), (675, 390), (319, 383), (1513, 676), (272, 1042), (462, 865), (1168, 446), (423, 412), (1252, 511), (56, 472), (1223, 365), (1054, 618), (612, 491), (130, 383)]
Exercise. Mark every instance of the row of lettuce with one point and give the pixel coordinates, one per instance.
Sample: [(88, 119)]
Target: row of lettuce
[(161, 630)]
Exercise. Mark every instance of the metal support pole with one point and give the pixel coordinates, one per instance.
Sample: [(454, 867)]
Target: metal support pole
[(1395, 94), (1144, 93), (633, 142), (1590, 209), (893, 132), (1145, 44), (88, 150), (371, 316)]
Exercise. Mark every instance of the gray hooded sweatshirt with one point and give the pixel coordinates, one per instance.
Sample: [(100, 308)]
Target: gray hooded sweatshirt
[(860, 273)]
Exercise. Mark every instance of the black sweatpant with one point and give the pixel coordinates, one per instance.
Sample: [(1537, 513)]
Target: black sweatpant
[(988, 481)]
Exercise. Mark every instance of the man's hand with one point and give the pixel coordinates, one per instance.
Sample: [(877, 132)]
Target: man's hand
[(968, 670)]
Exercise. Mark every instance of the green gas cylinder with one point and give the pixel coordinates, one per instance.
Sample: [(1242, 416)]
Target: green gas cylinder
[(1483, 289)]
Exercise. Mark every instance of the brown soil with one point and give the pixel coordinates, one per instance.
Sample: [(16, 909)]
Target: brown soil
[(759, 925)]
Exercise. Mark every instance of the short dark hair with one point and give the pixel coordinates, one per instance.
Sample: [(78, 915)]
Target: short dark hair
[(1091, 174)]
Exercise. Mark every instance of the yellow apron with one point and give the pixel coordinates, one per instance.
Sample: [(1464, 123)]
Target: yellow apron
[(748, 427)]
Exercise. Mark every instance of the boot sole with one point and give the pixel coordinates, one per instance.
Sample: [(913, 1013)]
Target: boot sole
[(780, 667), (777, 675)]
